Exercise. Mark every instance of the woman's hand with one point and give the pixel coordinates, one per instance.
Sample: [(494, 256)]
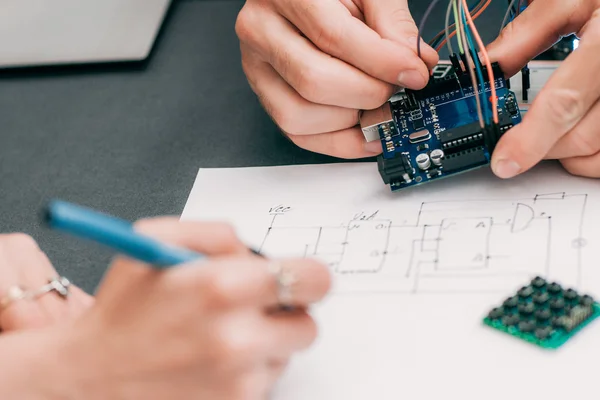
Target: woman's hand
[(207, 330), (22, 263), (564, 120), (315, 63)]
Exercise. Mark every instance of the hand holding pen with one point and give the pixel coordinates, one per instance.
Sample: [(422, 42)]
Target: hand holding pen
[(205, 322)]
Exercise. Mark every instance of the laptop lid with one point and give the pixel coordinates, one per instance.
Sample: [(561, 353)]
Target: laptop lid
[(47, 32)]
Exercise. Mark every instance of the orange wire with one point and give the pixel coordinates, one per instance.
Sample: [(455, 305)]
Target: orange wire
[(477, 14), (486, 58), (442, 33)]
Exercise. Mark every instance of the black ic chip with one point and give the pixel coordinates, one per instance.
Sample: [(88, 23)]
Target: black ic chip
[(418, 124)]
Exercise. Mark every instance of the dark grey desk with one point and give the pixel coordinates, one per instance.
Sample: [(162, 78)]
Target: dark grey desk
[(130, 139)]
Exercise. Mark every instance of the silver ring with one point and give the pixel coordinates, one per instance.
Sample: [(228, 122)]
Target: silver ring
[(60, 285), (285, 280)]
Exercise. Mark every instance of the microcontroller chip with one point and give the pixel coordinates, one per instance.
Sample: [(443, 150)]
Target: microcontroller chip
[(418, 124), (543, 313)]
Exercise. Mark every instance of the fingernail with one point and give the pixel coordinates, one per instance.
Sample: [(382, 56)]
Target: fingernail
[(373, 147), (411, 79), (506, 169)]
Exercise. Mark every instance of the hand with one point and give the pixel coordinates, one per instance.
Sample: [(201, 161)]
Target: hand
[(23, 263), (563, 121), (201, 331), (315, 63)]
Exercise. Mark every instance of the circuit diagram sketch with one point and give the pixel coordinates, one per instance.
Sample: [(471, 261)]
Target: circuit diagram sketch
[(461, 246)]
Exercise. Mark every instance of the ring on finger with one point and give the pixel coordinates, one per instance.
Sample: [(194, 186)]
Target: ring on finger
[(285, 281), (60, 285)]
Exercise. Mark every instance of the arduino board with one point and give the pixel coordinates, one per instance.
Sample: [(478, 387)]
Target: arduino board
[(435, 132), (544, 313)]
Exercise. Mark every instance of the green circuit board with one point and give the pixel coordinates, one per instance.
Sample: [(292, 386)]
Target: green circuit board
[(544, 313)]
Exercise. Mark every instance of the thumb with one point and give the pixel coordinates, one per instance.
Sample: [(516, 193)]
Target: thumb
[(392, 20), (535, 30)]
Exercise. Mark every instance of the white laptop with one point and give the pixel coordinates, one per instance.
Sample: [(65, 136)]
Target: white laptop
[(50, 32)]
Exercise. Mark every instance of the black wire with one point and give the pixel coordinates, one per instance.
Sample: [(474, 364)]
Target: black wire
[(422, 24), (520, 5), (515, 7)]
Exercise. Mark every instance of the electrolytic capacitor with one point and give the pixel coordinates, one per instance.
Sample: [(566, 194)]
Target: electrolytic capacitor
[(436, 156), (423, 161)]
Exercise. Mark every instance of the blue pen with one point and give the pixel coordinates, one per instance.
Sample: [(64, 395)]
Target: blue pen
[(115, 233)]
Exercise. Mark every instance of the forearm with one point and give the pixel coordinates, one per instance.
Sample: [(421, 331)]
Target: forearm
[(38, 365)]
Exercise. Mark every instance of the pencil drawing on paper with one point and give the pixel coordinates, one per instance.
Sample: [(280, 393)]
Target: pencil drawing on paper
[(461, 246)]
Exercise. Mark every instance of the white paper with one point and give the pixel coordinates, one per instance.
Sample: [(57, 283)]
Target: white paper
[(416, 271)]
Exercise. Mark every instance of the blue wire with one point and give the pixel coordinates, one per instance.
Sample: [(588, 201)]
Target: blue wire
[(478, 69)]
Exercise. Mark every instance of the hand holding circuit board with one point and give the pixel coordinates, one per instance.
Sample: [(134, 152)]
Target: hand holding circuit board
[(451, 126), (563, 121), (314, 64), (433, 133)]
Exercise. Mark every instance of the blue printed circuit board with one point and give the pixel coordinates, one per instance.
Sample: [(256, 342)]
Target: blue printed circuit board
[(435, 133)]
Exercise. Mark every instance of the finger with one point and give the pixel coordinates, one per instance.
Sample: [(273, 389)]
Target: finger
[(290, 111), (54, 306), (346, 143), (314, 75), (588, 167), (392, 20), (331, 27), (22, 254), (565, 99), (583, 140), (277, 366), (288, 333), (276, 370), (24, 264), (25, 315), (310, 282), (210, 238), (233, 281), (18, 314), (31, 314), (354, 10), (255, 383), (537, 29), (81, 301)]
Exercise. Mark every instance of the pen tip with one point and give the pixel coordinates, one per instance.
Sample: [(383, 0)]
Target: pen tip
[(256, 252), (46, 213)]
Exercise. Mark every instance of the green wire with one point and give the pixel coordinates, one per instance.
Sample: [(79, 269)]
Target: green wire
[(456, 22), (478, 69)]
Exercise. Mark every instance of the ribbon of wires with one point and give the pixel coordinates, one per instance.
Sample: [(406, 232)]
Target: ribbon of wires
[(439, 40), (470, 46), (471, 32)]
